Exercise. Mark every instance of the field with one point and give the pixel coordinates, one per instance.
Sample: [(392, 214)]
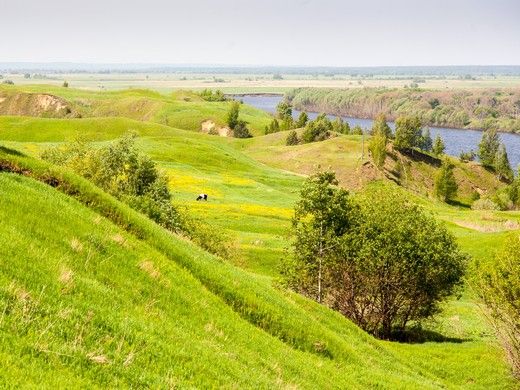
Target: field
[(255, 82), (104, 297)]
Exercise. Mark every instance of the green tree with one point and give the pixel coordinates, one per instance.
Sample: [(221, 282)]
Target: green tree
[(292, 138), (240, 130), (398, 264), (381, 127), (438, 146), (303, 118), (488, 148), (407, 132), (232, 115), (317, 130), (274, 127), (501, 164), (322, 215), (377, 149), (426, 143), (283, 110), (340, 127), (357, 130), (498, 284), (445, 184)]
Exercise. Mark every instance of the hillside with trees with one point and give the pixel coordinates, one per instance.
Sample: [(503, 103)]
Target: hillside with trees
[(472, 109)]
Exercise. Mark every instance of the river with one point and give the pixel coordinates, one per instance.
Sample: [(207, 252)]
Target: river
[(456, 140)]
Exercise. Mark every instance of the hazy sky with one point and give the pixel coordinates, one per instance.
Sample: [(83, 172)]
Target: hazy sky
[(263, 32)]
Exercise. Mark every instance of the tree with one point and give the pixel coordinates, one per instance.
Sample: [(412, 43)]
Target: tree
[(426, 140), (292, 138), (438, 146), (498, 284), (378, 259), (377, 149), (240, 130), (398, 264), (232, 116), (407, 132), (303, 118), (501, 164), (445, 183), (65, 84), (488, 148), (340, 127), (357, 130), (321, 217), (467, 156), (317, 130), (273, 127), (283, 110), (381, 127)]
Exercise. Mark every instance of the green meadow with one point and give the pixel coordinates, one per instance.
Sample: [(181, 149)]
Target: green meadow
[(95, 294)]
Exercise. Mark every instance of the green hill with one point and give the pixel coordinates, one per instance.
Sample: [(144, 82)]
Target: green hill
[(95, 294), (100, 295), (181, 109)]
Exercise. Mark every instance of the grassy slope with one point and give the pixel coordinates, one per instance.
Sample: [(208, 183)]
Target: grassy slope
[(89, 304), (255, 201), (343, 155), (180, 109)]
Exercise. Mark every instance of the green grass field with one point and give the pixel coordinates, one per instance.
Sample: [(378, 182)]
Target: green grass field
[(93, 294)]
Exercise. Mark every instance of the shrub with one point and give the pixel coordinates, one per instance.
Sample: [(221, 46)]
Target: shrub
[(467, 156), (317, 130), (132, 177), (484, 204), (377, 259), (240, 130), (377, 149), (210, 96), (445, 184), (438, 146), (292, 138), (407, 132), (498, 284)]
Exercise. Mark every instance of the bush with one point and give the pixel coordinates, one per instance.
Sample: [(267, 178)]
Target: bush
[(378, 259), (317, 130), (210, 96), (484, 204), (132, 177), (292, 138), (467, 156), (377, 149), (445, 184), (240, 130), (498, 284)]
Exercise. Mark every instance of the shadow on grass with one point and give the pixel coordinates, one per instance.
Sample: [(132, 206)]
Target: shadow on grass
[(419, 336), (458, 204), (12, 152)]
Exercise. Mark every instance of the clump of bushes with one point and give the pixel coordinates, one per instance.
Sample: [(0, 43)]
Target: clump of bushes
[(292, 138), (213, 96), (377, 258), (132, 177), (317, 130)]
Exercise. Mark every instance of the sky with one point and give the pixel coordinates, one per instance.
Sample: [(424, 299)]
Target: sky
[(266, 32)]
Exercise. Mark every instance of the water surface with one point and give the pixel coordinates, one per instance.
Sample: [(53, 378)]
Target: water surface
[(456, 140)]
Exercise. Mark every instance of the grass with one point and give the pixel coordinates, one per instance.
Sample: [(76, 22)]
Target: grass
[(181, 109), (247, 331)]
